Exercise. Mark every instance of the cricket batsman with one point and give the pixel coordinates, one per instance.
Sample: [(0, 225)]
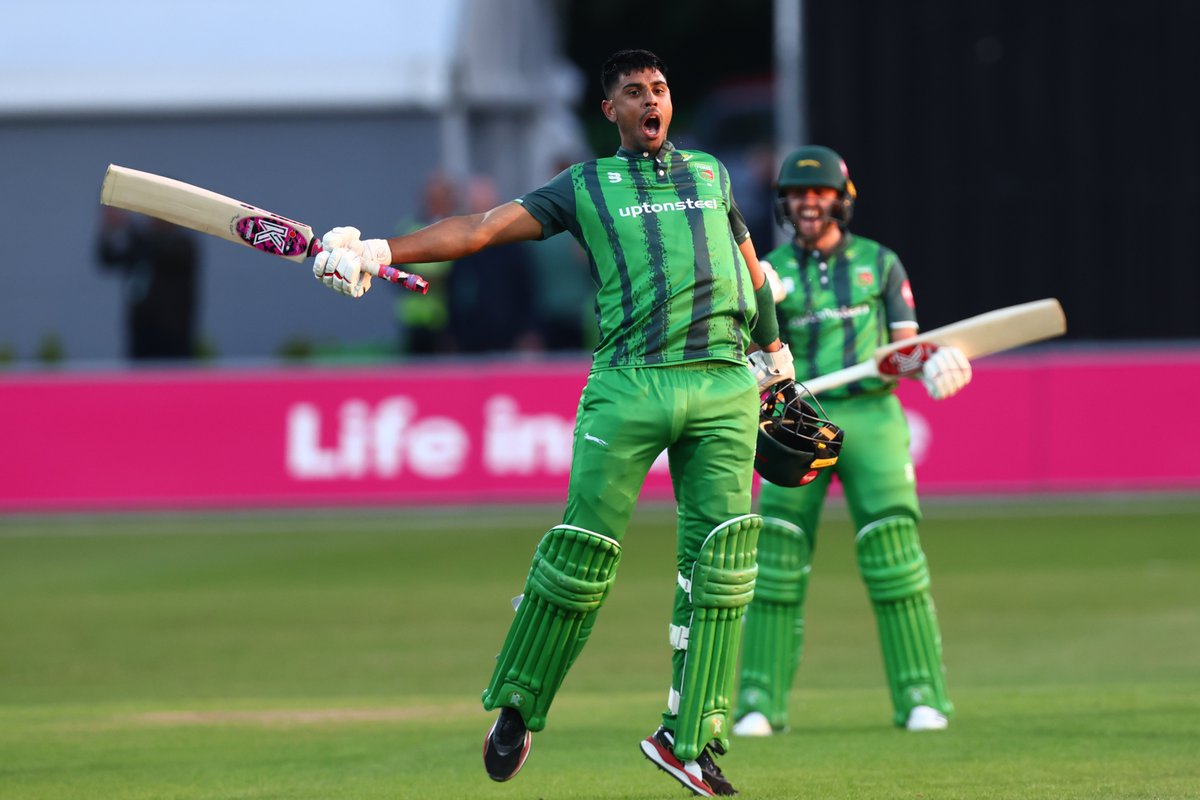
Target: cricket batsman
[(680, 299), (839, 296)]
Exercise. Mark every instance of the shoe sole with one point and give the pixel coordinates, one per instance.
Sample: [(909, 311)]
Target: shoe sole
[(668, 763), (501, 777)]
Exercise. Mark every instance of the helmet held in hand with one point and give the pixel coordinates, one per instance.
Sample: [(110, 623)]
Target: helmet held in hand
[(795, 440)]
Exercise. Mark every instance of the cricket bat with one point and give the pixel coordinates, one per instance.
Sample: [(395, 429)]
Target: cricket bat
[(217, 215), (992, 332)]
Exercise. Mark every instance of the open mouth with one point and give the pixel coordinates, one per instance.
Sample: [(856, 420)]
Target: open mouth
[(651, 125)]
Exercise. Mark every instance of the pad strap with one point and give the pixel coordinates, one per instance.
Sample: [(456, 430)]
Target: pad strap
[(722, 585), (572, 573)]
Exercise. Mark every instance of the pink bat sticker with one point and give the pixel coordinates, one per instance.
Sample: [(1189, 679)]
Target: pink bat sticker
[(273, 235)]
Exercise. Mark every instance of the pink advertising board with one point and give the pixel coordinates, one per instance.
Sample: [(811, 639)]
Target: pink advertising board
[(399, 435)]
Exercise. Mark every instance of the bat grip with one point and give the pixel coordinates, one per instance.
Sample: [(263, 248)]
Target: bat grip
[(409, 280)]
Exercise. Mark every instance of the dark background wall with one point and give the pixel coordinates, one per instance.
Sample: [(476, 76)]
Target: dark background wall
[(1006, 149)]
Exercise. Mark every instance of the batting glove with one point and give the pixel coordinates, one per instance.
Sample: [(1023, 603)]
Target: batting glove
[(772, 368), (348, 262), (945, 372)]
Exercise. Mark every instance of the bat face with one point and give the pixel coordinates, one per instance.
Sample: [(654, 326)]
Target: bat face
[(274, 235), (217, 215)]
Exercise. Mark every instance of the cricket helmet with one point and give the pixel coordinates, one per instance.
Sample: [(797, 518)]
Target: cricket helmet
[(795, 440), (814, 165)]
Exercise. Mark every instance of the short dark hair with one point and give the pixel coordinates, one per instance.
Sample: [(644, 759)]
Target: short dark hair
[(624, 62)]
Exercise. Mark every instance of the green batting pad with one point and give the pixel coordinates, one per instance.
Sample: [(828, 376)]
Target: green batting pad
[(572, 573), (774, 627), (722, 585), (897, 578)]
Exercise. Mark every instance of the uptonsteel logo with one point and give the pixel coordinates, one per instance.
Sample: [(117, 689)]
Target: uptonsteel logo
[(659, 208)]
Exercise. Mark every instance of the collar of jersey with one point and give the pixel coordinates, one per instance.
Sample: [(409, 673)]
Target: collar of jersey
[(627, 154), (842, 244)]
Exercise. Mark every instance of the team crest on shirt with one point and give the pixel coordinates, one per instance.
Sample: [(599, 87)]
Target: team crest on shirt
[(706, 172), (864, 276)]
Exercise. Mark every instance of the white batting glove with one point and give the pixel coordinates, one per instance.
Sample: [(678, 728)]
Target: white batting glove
[(772, 368), (345, 237), (342, 271), (945, 372), (347, 263)]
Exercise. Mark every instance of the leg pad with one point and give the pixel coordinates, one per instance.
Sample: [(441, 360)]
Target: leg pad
[(774, 628), (897, 579), (572, 573), (720, 587)]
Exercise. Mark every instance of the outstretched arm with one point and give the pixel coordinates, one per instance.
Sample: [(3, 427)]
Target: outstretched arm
[(348, 263), (455, 237)]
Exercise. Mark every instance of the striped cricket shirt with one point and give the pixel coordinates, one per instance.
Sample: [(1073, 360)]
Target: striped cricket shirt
[(661, 234), (840, 306)]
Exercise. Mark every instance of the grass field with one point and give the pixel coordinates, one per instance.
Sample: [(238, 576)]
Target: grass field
[(311, 655)]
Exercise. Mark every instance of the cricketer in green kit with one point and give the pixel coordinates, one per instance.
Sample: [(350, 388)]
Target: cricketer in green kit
[(680, 297), (839, 296)]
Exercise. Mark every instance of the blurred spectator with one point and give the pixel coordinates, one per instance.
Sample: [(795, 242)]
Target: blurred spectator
[(564, 304), (158, 262), (492, 291), (423, 321), (754, 182)]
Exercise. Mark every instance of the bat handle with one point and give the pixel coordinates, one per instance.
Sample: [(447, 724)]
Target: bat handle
[(409, 280)]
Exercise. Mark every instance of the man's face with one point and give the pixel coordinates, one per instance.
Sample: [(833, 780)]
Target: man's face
[(810, 208), (640, 105)]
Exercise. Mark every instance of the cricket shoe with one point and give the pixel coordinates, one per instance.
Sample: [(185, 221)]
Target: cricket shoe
[(701, 777), (753, 724), (926, 718), (506, 745)]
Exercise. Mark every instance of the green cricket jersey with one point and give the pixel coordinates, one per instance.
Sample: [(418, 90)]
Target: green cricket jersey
[(841, 306), (661, 234)]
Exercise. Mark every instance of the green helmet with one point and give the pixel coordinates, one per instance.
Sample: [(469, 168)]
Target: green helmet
[(814, 165)]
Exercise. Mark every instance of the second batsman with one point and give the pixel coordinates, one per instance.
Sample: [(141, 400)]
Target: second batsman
[(839, 296)]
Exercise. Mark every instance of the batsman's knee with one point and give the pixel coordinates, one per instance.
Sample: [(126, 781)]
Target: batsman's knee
[(784, 562), (890, 558)]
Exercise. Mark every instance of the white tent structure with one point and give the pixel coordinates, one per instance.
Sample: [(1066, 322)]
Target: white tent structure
[(334, 113)]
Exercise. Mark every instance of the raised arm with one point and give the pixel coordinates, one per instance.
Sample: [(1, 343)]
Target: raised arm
[(455, 237), (348, 262)]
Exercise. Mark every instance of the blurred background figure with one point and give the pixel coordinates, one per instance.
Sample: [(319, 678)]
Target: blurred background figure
[(563, 291), (159, 265), (422, 321), (491, 293)]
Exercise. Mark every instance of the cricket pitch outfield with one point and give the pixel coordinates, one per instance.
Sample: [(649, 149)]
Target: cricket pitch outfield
[(311, 655)]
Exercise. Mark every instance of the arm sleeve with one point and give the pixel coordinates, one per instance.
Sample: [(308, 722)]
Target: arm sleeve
[(553, 205), (898, 296), (766, 327), (737, 223)]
